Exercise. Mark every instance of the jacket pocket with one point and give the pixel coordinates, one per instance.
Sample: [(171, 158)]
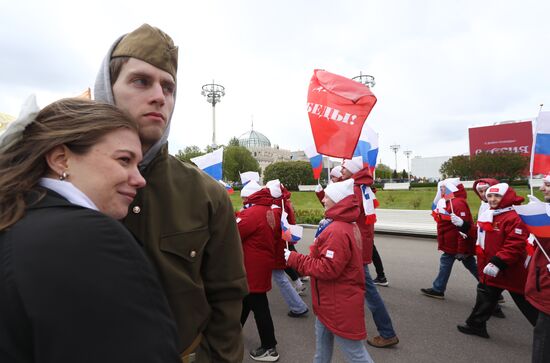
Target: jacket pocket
[(187, 245)]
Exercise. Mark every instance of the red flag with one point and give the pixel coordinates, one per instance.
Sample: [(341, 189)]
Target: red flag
[(337, 108)]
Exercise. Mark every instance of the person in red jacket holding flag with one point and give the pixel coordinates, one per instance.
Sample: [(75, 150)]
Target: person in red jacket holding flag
[(353, 169), (537, 289), (455, 234), (337, 281), (501, 256), (259, 229)]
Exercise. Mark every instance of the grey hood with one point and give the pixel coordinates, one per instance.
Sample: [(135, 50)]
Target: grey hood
[(104, 93)]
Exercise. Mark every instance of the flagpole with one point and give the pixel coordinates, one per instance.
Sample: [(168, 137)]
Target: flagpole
[(542, 249), (534, 134)]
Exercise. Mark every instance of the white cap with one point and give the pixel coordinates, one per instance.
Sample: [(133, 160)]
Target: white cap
[(274, 187), (250, 188), (353, 165), (481, 185), (336, 171), (454, 181), (250, 175), (499, 189), (340, 190)]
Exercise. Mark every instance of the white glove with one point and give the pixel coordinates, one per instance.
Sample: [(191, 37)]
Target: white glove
[(491, 270), (456, 220), (463, 235), (287, 254), (318, 188)]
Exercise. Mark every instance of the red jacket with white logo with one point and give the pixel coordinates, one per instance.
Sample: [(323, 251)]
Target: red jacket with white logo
[(537, 287), (449, 239), (259, 228), (505, 248), (336, 269)]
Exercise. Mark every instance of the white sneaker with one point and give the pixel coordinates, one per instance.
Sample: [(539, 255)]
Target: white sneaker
[(264, 355), (304, 278)]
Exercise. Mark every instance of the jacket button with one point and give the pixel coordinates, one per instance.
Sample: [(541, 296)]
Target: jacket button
[(193, 254), (136, 209)]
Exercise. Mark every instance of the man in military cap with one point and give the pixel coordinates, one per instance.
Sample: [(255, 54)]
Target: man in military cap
[(183, 217)]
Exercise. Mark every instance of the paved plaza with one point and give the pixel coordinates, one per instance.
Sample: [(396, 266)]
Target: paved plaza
[(426, 327)]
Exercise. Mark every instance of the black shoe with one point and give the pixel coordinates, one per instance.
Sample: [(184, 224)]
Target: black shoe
[(432, 293), (466, 329), (498, 313), (265, 355), (381, 281), (292, 314)]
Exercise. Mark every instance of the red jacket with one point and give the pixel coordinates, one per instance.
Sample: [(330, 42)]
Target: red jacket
[(449, 239), (505, 248), (259, 228), (537, 286), (364, 177), (336, 269)]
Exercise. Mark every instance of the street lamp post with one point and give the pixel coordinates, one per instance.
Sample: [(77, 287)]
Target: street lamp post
[(365, 79), (213, 93), (395, 149), (408, 154)]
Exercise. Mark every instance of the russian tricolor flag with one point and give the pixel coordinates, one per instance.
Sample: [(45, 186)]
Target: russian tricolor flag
[(227, 187), (536, 216), (290, 232), (211, 163), (450, 190), (367, 147), (316, 161), (541, 150)]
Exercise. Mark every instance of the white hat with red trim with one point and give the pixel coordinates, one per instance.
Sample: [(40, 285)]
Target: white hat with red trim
[(498, 189)]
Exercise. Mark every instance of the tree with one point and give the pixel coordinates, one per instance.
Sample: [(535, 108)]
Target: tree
[(290, 173), (395, 175), (383, 171), (188, 153), (234, 142), (238, 159), (500, 165), (404, 174), (457, 166)]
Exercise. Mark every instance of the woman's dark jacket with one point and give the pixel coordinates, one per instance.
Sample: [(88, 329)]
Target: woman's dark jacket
[(75, 286)]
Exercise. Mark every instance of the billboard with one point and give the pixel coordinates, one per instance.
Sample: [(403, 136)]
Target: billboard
[(515, 136)]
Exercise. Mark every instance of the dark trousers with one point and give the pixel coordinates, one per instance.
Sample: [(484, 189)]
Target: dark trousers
[(541, 339), (487, 300), (258, 303), (377, 261)]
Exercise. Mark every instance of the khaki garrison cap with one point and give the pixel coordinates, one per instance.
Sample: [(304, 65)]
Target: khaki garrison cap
[(150, 45)]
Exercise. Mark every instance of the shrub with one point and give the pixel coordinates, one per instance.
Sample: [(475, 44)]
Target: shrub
[(308, 216)]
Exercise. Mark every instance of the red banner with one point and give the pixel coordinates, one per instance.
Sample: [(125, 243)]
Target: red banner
[(337, 108)]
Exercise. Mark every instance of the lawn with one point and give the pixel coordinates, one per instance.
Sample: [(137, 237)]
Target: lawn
[(309, 210)]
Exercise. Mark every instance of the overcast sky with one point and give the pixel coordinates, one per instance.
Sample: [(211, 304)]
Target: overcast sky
[(440, 66)]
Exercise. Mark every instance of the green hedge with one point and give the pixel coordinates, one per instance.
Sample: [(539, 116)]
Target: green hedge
[(308, 216)]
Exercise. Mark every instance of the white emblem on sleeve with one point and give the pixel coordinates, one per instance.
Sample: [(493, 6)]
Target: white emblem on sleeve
[(238, 220), (463, 214), (330, 254), (518, 231)]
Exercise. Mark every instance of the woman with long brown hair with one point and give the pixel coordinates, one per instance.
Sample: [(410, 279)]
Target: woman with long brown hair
[(74, 284)]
